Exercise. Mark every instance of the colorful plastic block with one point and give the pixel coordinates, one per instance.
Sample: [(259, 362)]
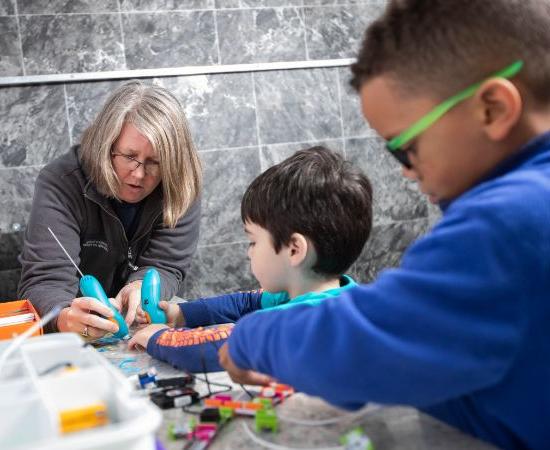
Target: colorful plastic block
[(356, 439), (226, 413), (266, 419)]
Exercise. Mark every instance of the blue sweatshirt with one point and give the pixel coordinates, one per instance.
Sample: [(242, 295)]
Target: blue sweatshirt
[(461, 329), (195, 347)]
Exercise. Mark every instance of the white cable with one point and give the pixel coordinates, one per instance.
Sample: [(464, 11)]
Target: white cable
[(315, 423), (21, 338), (268, 444)]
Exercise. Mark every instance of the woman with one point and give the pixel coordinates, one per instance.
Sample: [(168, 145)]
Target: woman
[(124, 201)]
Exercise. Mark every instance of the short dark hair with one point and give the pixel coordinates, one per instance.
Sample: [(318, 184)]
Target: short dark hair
[(317, 193), (442, 46)]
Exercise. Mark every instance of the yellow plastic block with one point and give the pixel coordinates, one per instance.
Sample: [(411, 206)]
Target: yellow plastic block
[(91, 416)]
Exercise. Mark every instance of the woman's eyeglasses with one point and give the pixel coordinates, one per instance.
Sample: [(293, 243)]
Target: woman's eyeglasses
[(130, 163)]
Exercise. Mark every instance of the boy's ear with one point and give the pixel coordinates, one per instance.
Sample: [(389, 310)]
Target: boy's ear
[(297, 249), (500, 107)]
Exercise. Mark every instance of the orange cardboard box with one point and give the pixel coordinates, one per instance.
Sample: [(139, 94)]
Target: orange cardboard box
[(13, 309)]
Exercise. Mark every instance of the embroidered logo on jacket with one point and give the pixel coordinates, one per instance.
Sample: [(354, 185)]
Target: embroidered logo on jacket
[(98, 244)]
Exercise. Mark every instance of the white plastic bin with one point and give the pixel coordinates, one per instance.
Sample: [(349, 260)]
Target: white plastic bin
[(31, 397)]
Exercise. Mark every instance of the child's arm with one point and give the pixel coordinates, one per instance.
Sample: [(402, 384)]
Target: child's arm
[(221, 309), (189, 349)]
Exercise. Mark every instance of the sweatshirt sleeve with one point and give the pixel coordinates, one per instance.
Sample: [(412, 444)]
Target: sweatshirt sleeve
[(170, 251), (222, 309), (445, 323), (190, 349), (47, 276)]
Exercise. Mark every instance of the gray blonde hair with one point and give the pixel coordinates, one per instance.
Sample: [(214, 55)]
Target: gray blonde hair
[(160, 117)]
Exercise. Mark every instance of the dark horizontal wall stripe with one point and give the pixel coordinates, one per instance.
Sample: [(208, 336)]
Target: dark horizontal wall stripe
[(8, 284)]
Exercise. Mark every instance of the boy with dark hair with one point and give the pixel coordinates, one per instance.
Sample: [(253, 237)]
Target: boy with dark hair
[(307, 220), (460, 89)]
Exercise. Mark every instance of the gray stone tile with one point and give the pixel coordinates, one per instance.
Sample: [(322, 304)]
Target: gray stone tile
[(173, 39), (434, 214), (341, 2), (7, 7), (386, 245), (227, 174), (16, 192), (393, 237), (84, 100), (10, 243), (366, 271), (220, 108), (395, 197), (275, 153), (219, 270), (297, 105), (261, 35), (71, 43), (220, 4), (66, 6), (34, 125), (337, 31), (355, 124), (9, 279), (10, 53), (165, 5)]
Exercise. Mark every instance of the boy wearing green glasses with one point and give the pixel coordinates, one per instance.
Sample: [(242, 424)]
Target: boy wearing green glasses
[(460, 89)]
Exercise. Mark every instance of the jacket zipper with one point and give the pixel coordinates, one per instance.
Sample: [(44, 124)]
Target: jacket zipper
[(130, 256)]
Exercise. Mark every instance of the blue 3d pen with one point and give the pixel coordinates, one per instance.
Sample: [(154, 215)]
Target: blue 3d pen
[(150, 297), (90, 287)]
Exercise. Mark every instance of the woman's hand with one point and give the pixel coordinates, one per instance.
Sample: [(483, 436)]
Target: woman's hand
[(79, 318), (129, 298), (141, 337)]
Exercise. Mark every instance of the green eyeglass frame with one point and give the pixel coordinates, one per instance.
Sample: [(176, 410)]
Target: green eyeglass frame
[(395, 145)]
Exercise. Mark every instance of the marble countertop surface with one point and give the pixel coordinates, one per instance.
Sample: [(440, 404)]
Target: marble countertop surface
[(304, 422)]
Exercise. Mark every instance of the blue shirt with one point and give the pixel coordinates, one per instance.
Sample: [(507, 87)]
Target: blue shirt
[(461, 329)]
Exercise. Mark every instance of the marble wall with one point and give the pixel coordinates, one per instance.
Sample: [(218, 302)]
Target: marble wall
[(242, 123)]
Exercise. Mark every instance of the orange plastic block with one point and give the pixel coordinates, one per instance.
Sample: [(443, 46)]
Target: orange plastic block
[(233, 405), (283, 388), (213, 402), (13, 309), (252, 405)]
